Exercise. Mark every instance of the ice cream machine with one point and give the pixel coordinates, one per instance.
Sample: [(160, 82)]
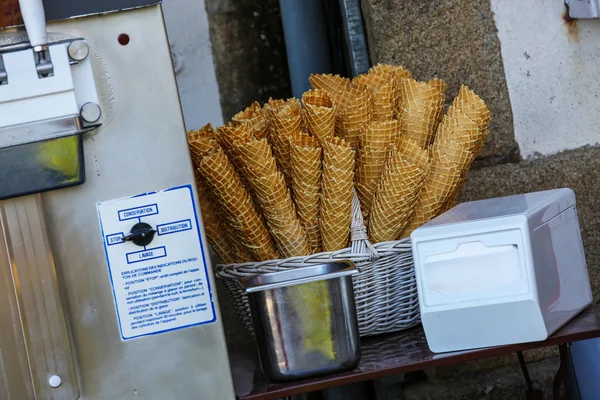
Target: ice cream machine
[(106, 287)]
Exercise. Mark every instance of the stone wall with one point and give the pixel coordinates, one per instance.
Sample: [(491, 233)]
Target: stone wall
[(490, 46), (249, 51)]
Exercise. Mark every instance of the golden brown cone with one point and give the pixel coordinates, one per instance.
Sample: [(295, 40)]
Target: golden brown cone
[(217, 230), (229, 133), (449, 152), (232, 197), (470, 97), (332, 84), (337, 191), (319, 113), (255, 116), (426, 208), (383, 94), (411, 152), (274, 198), (306, 184), (458, 127), (206, 131), (396, 71), (419, 111), (354, 113), (439, 84), (373, 151), (397, 193), (285, 121)]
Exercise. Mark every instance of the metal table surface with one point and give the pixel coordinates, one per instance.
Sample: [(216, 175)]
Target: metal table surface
[(403, 352)]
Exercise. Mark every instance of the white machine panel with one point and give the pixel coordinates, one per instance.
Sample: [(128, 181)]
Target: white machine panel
[(164, 285)]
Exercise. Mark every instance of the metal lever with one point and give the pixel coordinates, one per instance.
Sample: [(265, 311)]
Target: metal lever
[(141, 234), (35, 23)]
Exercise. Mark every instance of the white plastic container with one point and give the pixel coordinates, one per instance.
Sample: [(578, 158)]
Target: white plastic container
[(501, 271)]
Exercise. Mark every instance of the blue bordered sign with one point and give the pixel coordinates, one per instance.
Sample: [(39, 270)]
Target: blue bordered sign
[(162, 286)]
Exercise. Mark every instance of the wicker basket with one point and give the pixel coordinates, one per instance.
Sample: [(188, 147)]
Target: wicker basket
[(385, 288)]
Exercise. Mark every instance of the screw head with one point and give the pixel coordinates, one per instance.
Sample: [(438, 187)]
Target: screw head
[(54, 381), (90, 112), (78, 50)]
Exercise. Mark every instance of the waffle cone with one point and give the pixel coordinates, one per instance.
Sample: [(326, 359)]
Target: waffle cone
[(476, 102), (229, 133), (396, 195), (256, 118), (449, 152), (426, 208), (319, 113), (306, 184), (419, 123), (438, 84), (336, 200), (412, 152), (230, 194), (286, 120), (383, 93), (373, 150), (354, 113), (274, 198), (420, 109), (214, 228), (458, 127), (395, 71), (332, 84), (206, 131), (199, 146)]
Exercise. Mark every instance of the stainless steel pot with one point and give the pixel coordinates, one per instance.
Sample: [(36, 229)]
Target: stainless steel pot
[(305, 320)]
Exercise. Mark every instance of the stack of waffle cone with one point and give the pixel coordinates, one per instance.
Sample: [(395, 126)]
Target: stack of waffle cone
[(421, 106), (373, 151), (227, 136), (306, 184), (274, 198), (234, 200), (337, 191), (354, 113), (332, 84), (471, 115), (219, 233), (448, 161), (398, 190), (256, 118), (285, 121), (383, 94), (319, 114)]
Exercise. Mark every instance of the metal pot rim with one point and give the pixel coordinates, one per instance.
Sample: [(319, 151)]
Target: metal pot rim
[(298, 276)]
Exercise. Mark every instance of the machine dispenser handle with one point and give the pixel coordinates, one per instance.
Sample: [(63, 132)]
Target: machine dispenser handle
[(35, 23)]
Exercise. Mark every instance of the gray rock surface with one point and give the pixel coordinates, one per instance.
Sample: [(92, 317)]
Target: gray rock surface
[(249, 52)]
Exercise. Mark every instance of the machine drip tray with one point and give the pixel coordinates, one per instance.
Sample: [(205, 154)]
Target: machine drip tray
[(41, 166)]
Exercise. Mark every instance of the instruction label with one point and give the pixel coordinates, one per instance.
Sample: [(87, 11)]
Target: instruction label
[(164, 285)]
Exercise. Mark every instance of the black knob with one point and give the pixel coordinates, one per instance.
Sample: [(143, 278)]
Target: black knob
[(141, 234)]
